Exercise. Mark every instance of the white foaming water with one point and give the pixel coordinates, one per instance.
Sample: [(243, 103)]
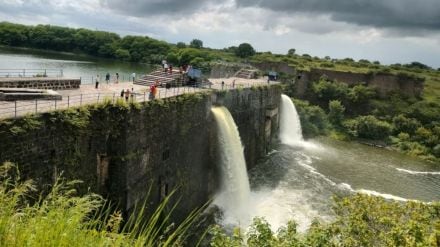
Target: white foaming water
[(417, 172), (373, 193), (233, 197), (290, 125), (386, 196), (281, 204)]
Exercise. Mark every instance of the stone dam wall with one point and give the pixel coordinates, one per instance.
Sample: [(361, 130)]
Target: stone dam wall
[(124, 151), (40, 83), (385, 83)]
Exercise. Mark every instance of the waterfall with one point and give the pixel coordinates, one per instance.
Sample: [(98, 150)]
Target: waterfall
[(290, 126), (233, 197)]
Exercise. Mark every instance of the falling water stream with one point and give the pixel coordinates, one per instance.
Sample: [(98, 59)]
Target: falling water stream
[(233, 197)]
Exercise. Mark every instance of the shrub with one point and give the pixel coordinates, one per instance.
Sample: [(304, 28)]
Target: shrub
[(404, 124), (436, 150), (361, 94), (369, 127), (313, 119), (424, 111), (336, 112), (329, 90)]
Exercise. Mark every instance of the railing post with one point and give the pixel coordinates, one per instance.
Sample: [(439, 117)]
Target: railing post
[(56, 104), (80, 100), (145, 95), (15, 106), (68, 101), (113, 101), (98, 98), (36, 105)]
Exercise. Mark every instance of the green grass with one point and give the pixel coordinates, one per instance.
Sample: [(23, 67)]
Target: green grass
[(62, 218)]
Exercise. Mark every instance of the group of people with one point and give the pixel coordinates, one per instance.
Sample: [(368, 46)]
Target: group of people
[(127, 93), (107, 79), (168, 68)]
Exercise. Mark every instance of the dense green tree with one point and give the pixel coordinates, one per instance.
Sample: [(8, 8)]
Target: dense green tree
[(189, 54), (245, 50), (196, 43), (180, 45), (123, 54), (13, 34), (417, 65), (291, 52), (173, 58)]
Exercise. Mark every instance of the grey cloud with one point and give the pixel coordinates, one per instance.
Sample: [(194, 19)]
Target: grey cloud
[(143, 8), (401, 14)]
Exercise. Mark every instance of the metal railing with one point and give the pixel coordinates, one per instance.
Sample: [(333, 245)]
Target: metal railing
[(9, 109), (13, 109), (92, 79), (26, 73)]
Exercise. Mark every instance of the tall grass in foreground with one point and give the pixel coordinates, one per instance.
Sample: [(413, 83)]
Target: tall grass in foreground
[(62, 218)]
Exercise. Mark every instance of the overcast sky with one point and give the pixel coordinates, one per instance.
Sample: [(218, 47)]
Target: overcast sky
[(391, 31)]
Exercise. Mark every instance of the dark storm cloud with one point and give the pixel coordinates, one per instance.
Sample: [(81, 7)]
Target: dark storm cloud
[(401, 14), (144, 8)]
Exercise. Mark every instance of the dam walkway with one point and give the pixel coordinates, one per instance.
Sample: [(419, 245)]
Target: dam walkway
[(87, 94)]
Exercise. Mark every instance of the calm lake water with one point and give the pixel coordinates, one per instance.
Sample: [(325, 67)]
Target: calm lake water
[(72, 65)]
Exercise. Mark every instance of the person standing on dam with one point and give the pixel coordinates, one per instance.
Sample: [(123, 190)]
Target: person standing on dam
[(107, 77), (97, 82)]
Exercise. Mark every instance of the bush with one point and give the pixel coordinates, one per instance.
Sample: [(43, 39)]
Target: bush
[(369, 127), (329, 90), (336, 112), (404, 124), (436, 150), (313, 119), (360, 94), (424, 111)]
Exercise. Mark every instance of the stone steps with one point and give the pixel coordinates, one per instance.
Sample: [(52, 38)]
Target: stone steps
[(246, 74), (161, 76)]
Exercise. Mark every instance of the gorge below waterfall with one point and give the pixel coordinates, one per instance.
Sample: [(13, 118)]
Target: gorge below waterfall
[(297, 180)]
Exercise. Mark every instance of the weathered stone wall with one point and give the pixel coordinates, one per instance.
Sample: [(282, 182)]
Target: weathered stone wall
[(275, 66), (385, 83), (40, 83), (124, 152)]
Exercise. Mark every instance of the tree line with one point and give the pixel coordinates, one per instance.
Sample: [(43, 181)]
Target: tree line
[(111, 45)]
